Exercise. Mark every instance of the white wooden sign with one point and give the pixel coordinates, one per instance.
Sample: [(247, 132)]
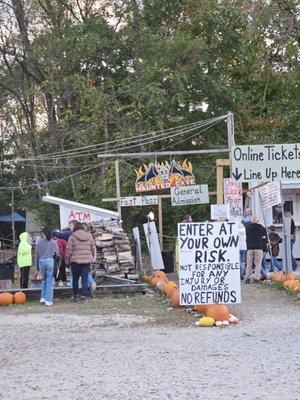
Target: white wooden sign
[(233, 195), (153, 245), (267, 162), (138, 249), (189, 195), (270, 195), (219, 211), (68, 214), (139, 201), (209, 263)]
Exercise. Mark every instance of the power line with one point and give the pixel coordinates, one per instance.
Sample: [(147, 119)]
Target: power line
[(139, 141)]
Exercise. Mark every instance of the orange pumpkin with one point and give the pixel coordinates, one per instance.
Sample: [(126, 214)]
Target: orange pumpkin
[(169, 288), (175, 298), (6, 298), (159, 274), (201, 308), (154, 282), (279, 277), (20, 298), (297, 288), (219, 312), (290, 276)]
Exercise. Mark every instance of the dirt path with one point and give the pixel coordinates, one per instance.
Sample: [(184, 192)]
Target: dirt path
[(138, 348)]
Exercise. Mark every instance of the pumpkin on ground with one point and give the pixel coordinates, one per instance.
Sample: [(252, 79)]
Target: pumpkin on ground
[(175, 298), (6, 298), (160, 284), (19, 298), (219, 312), (290, 276), (279, 278), (205, 321), (159, 274), (154, 282), (201, 308), (144, 277), (169, 288)]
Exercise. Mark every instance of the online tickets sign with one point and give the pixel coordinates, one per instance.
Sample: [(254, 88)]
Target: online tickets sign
[(209, 264)]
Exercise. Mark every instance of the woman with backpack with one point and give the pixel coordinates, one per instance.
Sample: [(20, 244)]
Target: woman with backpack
[(46, 249)]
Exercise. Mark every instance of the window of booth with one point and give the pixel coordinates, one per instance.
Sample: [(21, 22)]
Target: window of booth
[(277, 211)]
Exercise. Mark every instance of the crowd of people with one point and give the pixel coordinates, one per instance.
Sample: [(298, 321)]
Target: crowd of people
[(72, 247), (256, 243)]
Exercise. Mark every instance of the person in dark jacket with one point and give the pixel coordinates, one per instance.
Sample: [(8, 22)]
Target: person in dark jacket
[(80, 254), (275, 240), (65, 234), (256, 235)]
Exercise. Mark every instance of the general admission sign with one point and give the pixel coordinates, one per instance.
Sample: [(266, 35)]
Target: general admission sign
[(164, 175)]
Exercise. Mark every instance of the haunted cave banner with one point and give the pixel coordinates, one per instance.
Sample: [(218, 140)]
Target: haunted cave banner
[(157, 176), (209, 264)]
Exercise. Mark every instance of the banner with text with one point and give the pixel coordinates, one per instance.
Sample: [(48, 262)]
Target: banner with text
[(163, 175), (266, 162), (270, 195), (132, 201), (209, 264), (233, 195), (189, 195)]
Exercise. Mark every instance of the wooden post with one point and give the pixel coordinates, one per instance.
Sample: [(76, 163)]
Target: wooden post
[(13, 218), (221, 163), (160, 223), (118, 188)]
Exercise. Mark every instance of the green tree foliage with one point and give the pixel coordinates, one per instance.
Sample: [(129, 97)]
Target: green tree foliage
[(77, 73)]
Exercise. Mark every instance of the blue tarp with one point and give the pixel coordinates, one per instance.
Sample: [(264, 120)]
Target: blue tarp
[(8, 218)]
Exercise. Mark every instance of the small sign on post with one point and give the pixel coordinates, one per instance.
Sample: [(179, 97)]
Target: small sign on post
[(233, 195), (270, 195), (219, 212), (209, 264), (153, 245), (189, 195), (132, 201), (267, 162)]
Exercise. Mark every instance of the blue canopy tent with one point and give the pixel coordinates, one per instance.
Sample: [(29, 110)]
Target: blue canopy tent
[(10, 217)]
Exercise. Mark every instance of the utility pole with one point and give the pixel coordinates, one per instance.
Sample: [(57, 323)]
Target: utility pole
[(230, 133), (13, 217), (118, 190)]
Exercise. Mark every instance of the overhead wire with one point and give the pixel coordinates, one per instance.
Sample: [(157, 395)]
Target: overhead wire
[(132, 143)]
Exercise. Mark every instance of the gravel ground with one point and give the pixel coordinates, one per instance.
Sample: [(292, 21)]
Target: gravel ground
[(138, 348)]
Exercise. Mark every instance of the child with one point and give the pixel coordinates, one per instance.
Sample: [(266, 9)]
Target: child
[(24, 259)]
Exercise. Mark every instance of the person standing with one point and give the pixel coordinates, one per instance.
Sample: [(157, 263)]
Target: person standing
[(187, 218), (291, 235), (46, 249), (61, 278), (247, 217), (274, 240), (255, 236), (80, 254), (243, 249), (24, 259)]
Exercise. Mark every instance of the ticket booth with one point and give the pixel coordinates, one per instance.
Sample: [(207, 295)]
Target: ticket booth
[(291, 198)]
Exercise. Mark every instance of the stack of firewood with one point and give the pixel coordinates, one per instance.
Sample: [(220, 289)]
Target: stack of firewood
[(113, 248)]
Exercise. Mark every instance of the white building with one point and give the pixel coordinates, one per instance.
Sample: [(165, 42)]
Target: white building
[(69, 210)]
